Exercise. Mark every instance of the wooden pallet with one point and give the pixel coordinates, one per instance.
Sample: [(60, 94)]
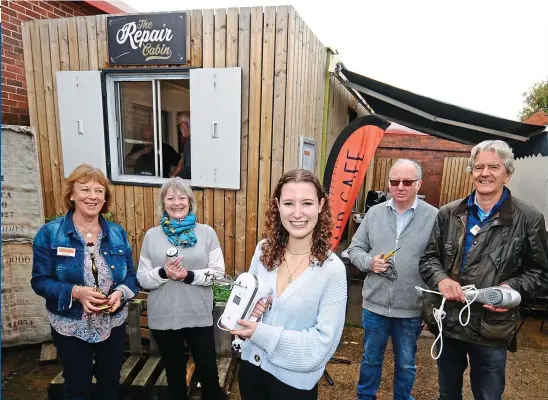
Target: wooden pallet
[(143, 376)]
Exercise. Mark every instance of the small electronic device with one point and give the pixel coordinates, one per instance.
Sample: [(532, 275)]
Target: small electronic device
[(497, 296), (247, 290), (172, 252)]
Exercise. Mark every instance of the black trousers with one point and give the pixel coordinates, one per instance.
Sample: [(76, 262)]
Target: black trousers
[(201, 342), (257, 384), (487, 370), (77, 358)]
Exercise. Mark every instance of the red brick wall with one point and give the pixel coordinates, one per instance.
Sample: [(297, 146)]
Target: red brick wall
[(539, 118), (14, 88), (429, 152)]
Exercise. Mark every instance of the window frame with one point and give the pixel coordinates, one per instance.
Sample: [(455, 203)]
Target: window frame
[(112, 124)]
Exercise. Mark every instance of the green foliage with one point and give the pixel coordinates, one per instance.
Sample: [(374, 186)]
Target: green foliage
[(108, 216), (536, 99), (221, 293)]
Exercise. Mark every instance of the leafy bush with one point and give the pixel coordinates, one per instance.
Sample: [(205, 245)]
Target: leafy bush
[(221, 293)]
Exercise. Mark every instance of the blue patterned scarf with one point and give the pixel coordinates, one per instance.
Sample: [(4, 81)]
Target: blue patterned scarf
[(180, 232)]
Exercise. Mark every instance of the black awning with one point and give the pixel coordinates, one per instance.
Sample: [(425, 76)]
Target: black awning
[(435, 117)]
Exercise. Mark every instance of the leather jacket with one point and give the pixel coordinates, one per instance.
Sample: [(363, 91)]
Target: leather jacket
[(511, 248)]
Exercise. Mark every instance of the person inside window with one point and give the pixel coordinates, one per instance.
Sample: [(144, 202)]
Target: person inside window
[(183, 128), (142, 159)]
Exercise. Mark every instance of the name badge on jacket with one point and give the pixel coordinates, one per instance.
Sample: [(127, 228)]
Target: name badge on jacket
[(475, 230), (66, 251)]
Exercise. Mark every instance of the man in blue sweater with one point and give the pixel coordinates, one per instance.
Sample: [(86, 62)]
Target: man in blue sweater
[(391, 304)]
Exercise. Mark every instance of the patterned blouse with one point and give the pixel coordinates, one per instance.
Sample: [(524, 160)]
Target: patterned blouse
[(92, 328)]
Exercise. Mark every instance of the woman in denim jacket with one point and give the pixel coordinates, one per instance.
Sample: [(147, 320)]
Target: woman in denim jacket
[(83, 267)]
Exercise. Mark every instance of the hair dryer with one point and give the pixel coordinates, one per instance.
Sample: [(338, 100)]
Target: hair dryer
[(497, 296)]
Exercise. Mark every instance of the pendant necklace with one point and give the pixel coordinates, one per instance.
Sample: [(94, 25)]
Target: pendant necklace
[(89, 235), (290, 278), (292, 255)]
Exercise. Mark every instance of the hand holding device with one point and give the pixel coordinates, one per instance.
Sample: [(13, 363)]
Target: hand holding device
[(261, 307), (378, 264), (174, 268), (247, 291), (451, 290)]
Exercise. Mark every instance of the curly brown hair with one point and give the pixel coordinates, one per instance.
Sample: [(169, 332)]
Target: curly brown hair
[(273, 248)]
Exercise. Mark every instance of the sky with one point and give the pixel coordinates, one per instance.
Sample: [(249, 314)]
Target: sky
[(481, 55)]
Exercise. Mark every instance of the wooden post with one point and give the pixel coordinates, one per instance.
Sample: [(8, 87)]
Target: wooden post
[(134, 326), (223, 339)]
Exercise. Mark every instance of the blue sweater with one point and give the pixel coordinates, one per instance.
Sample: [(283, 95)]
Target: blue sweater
[(476, 216), (301, 331)]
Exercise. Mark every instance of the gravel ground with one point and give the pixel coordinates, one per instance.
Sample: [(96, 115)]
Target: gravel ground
[(526, 376), (24, 379)]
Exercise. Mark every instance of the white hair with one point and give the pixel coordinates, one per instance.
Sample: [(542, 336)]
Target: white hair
[(500, 147), (406, 161), (177, 185)]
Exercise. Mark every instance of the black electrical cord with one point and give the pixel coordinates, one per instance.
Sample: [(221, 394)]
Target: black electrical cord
[(390, 272)]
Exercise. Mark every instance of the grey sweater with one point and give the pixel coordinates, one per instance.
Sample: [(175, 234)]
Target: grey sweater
[(377, 234), (175, 304)]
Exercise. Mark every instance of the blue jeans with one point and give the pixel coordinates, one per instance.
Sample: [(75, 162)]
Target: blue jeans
[(376, 330), (487, 370)]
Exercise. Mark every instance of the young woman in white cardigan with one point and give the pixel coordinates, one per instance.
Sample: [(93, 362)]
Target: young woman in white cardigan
[(301, 324)]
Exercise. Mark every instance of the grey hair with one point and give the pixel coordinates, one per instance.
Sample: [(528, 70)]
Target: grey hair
[(500, 147), (404, 161), (177, 185)]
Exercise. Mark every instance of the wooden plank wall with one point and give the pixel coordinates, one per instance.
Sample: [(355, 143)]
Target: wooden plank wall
[(455, 183), (283, 83)]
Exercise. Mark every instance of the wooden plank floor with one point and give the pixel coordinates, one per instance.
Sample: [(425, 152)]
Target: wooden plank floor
[(146, 379)]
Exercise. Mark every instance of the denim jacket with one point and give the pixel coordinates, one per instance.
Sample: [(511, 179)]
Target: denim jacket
[(54, 275)]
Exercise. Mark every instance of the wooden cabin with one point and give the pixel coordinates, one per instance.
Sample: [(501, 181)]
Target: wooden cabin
[(290, 108)]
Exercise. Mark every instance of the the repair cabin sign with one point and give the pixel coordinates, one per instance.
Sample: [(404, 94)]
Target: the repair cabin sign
[(147, 39)]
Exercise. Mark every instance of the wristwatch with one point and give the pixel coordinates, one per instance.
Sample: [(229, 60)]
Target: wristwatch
[(123, 299)]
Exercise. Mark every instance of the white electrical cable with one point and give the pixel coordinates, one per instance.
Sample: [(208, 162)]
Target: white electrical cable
[(219, 326), (439, 314)]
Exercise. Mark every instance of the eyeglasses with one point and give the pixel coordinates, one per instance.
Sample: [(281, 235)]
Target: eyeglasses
[(406, 182), (490, 167)]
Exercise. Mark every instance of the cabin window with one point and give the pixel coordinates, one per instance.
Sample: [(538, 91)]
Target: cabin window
[(149, 127), (142, 126)]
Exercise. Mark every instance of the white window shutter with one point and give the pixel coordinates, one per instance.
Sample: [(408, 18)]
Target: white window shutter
[(215, 127), (81, 119)]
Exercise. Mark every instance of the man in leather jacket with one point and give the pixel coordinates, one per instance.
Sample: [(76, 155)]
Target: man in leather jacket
[(486, 239)]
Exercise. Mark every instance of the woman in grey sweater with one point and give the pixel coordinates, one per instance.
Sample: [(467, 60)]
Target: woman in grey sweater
[(180, 301), (286, 352)]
